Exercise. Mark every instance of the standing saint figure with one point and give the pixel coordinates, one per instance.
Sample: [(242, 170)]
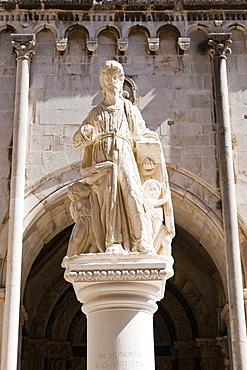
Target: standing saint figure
[(110, 134)]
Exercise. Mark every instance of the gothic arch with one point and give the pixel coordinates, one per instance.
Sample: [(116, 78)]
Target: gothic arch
[(110, 28), (8, 28), (107, 38), (76, 27), (238, 26), (44, 27), (167, 27), (138, 28), (197, 28)]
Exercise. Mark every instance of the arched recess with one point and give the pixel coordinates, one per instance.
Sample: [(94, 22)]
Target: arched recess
[(238, 45), (185, 323), (107, 27), (46, 27), (77, 36), (138, 36), (108, 42), (42, 63), (168, 60), (198, 40), (239, 33), (168, 36)]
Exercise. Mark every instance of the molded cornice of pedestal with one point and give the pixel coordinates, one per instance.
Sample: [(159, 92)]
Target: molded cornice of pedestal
[(117, 267), (23, 45), (132, 281)]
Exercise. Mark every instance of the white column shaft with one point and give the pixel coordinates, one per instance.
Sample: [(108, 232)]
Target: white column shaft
[(120, 339), (14, 256), (229, 207)]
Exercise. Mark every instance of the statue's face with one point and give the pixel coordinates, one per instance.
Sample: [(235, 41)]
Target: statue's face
[(112, 82), (153, 191)]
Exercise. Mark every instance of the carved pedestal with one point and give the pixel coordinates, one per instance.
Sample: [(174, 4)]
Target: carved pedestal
[(119, 295)]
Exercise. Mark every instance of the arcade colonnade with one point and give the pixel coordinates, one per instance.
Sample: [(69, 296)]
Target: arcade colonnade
[(44, 203)]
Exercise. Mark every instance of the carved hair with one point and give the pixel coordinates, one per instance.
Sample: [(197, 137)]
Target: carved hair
[(79, 187), (111, 64), (149, 182)]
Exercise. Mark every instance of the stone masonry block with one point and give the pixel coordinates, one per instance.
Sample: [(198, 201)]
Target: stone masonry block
[(193, 164), (5, 136), (199, 100), (54, 130), (52, 160), (7, 100), (7, 84)]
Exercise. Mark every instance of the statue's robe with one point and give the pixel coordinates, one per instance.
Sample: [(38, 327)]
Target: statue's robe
[(117, 200)]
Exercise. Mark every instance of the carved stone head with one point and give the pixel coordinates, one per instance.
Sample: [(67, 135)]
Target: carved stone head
[(79, 190), (109, 68)]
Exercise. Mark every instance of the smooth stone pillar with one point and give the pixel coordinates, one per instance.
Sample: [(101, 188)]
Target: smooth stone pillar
[(24, 46), (220, 43), (119, 295)]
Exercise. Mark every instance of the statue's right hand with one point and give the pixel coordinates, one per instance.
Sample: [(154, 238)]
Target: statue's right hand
[(87, 132), (84, 136)]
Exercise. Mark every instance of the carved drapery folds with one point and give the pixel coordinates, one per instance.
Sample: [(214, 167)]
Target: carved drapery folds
[(220, 44), (23, 45)]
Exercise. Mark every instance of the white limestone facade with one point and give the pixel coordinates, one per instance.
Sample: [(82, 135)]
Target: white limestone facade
[(164, 50)]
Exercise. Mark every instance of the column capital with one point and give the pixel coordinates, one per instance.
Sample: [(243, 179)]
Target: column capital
[(220, 44), (23, 45)]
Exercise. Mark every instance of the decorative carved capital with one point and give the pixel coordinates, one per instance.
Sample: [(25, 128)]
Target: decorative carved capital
[(153, 43), (92, 45), (219, 43), (184, 43), (122, 44), (61, 44), (23, 45)]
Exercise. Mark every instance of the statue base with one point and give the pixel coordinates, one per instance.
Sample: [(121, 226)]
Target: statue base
[(119, 294)]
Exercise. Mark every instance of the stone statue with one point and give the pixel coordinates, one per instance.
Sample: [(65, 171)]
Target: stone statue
[(82, 238), (158, 232), (120, 154)]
